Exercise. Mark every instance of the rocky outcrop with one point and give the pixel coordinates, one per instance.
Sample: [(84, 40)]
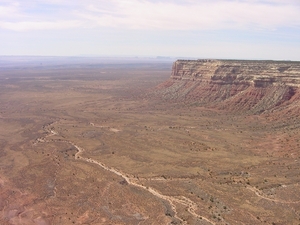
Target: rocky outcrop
[(243, 85)]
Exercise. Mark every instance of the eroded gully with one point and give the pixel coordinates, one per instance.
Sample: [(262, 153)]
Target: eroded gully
[(189, 204)]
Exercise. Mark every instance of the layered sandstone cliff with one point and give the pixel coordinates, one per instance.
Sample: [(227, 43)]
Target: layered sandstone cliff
[(242, 85)]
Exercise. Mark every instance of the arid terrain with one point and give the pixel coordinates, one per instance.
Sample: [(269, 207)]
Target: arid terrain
[(135, 142)]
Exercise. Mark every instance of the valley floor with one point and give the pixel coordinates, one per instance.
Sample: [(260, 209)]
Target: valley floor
[(87, 146)]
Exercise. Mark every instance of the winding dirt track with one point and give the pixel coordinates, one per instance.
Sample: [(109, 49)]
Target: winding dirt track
[(131, 180), (258, 193), (191, 206)]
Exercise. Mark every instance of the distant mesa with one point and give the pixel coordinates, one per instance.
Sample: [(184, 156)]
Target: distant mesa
[(243, 85), (163, 57)]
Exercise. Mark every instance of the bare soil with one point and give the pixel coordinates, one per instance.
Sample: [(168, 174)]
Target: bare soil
[(85, 145)]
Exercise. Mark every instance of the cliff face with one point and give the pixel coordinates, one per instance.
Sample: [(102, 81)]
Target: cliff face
[(255, 86)]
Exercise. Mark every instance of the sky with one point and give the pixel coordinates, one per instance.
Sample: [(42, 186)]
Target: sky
[(231, 29)]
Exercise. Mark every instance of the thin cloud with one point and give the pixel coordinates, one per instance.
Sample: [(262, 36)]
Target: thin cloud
[(25, 26), (137, 14), (153, 15), (8, 11)]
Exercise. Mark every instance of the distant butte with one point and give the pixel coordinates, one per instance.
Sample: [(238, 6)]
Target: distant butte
[(240, 85)]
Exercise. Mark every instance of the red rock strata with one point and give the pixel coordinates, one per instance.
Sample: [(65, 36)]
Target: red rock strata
[(240, 85)]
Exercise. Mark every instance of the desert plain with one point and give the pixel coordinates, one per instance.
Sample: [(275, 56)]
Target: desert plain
[(95, 143)]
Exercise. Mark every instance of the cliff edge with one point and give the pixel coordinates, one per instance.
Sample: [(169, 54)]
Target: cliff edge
[(243, 85)]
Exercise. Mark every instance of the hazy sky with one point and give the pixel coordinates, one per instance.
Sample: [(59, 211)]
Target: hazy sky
[(247, 29)]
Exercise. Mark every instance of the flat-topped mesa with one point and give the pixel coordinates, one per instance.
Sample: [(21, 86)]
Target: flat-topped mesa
[(252, 72), (239, 85)]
